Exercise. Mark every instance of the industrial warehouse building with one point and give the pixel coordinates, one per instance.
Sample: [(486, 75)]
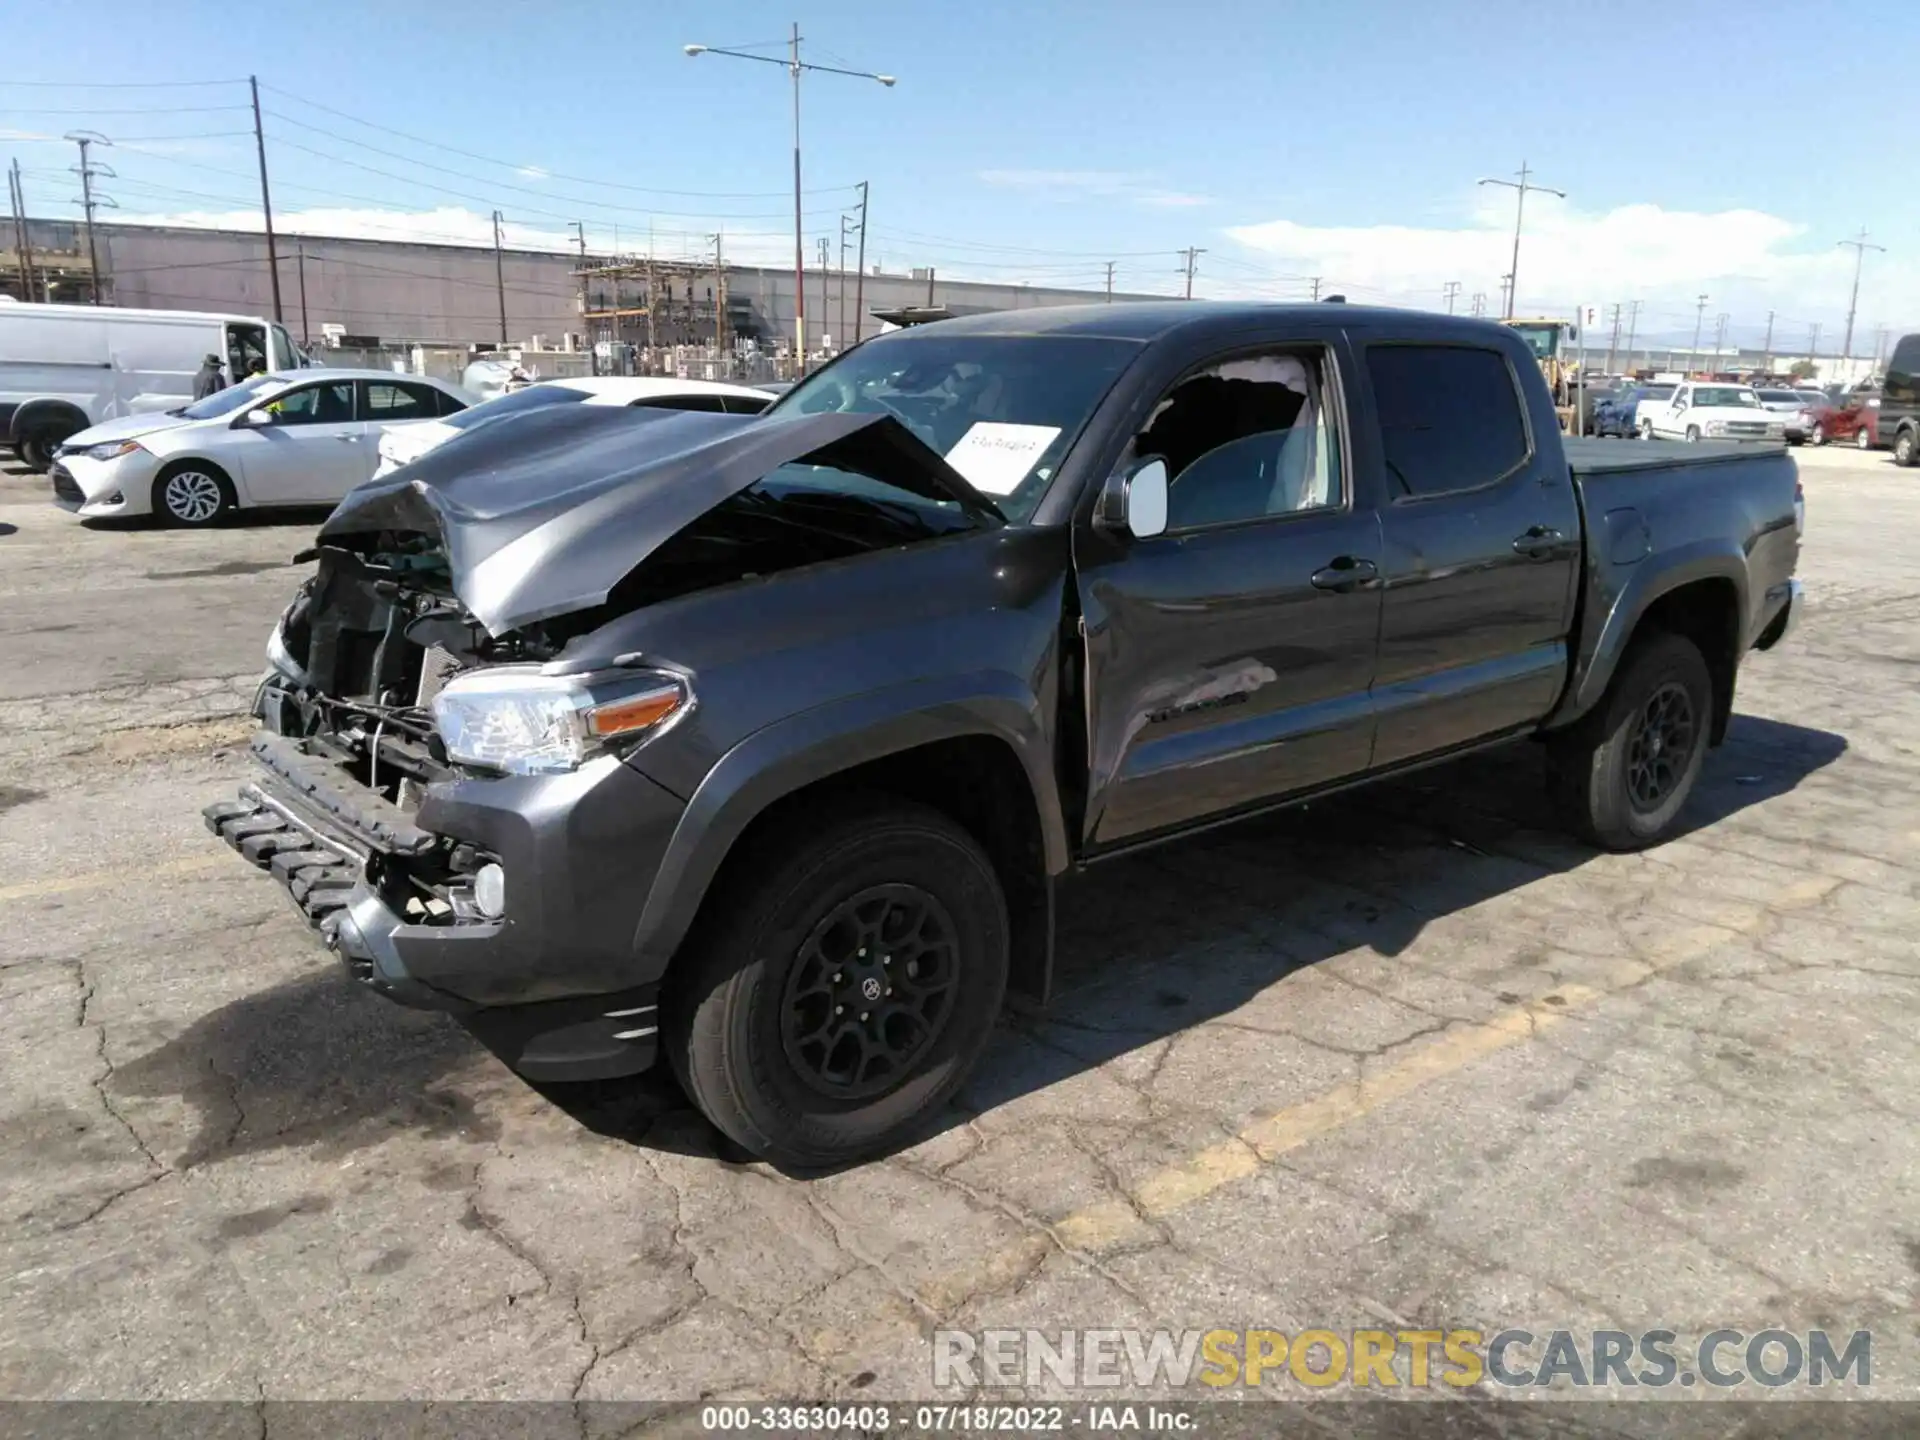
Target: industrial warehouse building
[(394, 293)]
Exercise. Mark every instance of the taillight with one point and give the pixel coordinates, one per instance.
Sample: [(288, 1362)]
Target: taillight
[(1799, 508)]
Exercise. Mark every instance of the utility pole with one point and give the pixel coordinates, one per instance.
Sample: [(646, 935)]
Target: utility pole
[(1860, 248), (23, 243), (1109, 281), (1719, 337), (860, 264), (1879, 345), (1452, 289), (89, 201), (593, 349), (1633, 325), (1192, 254), (1766, 354), (1520, 187), (266, 201), (1314, 281), (306, 334), (1479, 304), (1613, 342), (1813, 341), (845, 221), (1506, 296), (930, 287), (825, 271), (719, 296), (1699, 317), (500, 277)]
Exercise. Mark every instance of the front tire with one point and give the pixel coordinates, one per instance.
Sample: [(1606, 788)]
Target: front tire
[(1862, 440), (38, 447), (1622, 775), (1693, 433), (1646, 429), (1818, 436), (849, 978), (1906, 452), (192, 494)]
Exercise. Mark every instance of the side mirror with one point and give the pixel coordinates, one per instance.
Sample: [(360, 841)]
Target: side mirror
[(1135, 500), (258, 417)]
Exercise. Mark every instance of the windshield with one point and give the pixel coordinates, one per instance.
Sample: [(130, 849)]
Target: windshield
[(225, 402), (1782, 397), (534, 397), (1002, 409), (1543, 340), (1726, 397)]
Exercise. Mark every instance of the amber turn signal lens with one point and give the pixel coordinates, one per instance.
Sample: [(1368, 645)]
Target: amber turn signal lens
[(623, 717)]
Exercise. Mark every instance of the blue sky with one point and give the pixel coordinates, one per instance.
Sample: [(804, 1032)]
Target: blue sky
[(1705, 148)]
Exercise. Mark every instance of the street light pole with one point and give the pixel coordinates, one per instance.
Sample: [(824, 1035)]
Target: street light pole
[(794, 65), (1521, 187)]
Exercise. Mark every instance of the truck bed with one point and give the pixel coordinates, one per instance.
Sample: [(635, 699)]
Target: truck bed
[(1589, 456)]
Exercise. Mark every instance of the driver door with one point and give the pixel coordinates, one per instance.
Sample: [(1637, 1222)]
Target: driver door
[(312, 451), (1674, 419)]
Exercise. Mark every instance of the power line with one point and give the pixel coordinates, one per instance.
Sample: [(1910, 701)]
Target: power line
[(522, 165), (118, 84), (145, 110)]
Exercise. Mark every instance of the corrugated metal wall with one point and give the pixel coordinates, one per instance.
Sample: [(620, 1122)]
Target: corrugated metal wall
[(446, 294)]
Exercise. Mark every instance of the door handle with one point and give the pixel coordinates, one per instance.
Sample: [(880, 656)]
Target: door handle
[(1345, 574), (1541, 542), (348, 439)]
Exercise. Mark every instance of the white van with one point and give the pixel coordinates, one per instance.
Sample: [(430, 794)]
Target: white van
[(66, 367)]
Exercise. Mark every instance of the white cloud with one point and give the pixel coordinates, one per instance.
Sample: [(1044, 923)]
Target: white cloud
[(1135, 187), (531, 172), (1746, 262)]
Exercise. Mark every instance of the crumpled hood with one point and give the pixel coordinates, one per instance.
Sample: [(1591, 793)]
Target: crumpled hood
[(127, 427), (544, 513)]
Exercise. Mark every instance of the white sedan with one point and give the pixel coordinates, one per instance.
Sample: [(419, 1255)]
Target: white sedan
[(1711, 412), (403, 444), (305, 437)]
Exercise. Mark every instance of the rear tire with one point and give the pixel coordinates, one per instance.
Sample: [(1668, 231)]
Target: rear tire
[(193, 495), (764, 1018), (1862, 440), (1818, 435), (1614, 775)]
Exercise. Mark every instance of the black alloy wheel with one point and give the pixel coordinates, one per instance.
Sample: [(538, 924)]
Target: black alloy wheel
[(1661, 747), (870, 991)]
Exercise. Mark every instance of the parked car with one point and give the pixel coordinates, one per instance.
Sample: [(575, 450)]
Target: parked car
[(1614, 415), (64, 368), (300, 438), (1653, 397), (1796, 409), (1899, 418), (761, 746), (403, 444), (1700, 411), (1853, 420)]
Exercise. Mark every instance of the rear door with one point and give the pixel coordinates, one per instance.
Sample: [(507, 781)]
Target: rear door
[(1228, 659), (1480, 548)]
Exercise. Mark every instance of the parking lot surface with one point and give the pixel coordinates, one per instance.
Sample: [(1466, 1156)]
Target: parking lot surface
[(1406, 1059)]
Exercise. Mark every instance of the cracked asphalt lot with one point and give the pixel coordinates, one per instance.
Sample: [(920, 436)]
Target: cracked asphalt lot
[(1407, 1059)]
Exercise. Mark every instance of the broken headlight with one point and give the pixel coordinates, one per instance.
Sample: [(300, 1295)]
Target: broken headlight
[(525, 723)]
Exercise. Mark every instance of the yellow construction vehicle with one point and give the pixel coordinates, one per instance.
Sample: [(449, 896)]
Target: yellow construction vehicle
[(1549, 339)]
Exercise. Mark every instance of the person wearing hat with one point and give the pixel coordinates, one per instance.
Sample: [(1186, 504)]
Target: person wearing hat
[(208, 380)]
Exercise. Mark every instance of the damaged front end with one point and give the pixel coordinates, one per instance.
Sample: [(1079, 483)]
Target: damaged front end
[(443, 787)]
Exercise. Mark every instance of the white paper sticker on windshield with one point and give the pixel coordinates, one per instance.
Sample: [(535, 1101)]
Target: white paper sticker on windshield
[(995, 458)]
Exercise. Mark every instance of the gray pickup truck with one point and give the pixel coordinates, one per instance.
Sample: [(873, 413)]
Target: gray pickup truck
[(761, 744)]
